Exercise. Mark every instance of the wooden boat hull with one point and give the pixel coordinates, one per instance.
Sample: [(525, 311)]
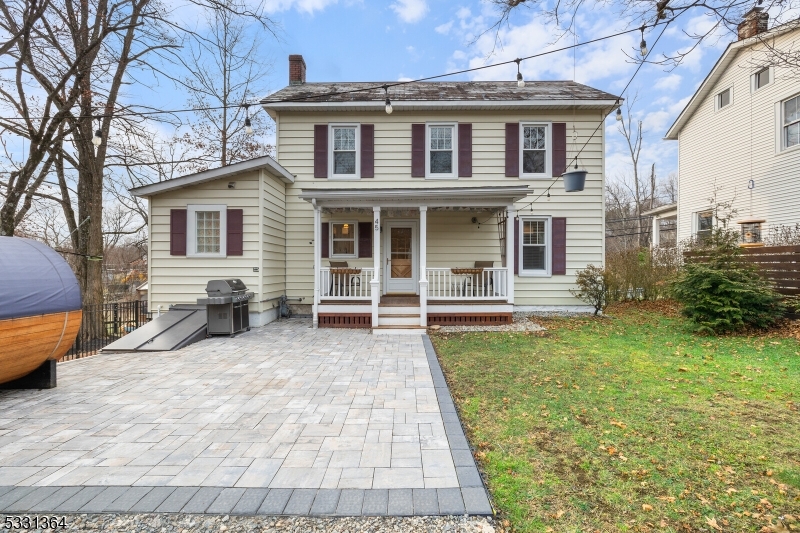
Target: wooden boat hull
[(27, 342)]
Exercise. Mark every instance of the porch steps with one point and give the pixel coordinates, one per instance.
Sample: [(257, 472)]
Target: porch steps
[(397, 319), (399, 330)]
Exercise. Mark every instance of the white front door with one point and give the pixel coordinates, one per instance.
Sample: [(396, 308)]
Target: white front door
[(401, 257)]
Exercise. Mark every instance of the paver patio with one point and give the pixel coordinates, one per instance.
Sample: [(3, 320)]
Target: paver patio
[(282, 419)]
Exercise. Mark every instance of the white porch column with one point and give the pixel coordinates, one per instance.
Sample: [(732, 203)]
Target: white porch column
[(655, 237), (317, 261), (375, 283), (510, 259), (423, 264)]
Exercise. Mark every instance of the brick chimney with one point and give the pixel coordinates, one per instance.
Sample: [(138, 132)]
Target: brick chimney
[(754, 22), (297, 70)]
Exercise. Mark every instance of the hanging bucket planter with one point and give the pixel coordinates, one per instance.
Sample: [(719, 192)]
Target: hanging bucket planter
[(574, 180)]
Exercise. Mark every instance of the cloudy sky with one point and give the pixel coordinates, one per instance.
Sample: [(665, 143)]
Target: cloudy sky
[(352, 40)]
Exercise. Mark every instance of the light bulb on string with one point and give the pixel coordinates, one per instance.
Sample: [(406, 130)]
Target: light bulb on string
[(643, 44), (619, 114), (520, 81), (389, 108), (248, 126)]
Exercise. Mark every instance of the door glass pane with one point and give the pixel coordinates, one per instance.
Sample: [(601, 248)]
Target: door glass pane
[(401, 252)]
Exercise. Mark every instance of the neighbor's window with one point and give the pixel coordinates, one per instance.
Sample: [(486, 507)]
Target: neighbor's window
[(533, 246), (441, 150), (705, 224), (344, 157), (724, 98), (791, 122), (206, 230), (343, 237), (534, 149), (761, 78)]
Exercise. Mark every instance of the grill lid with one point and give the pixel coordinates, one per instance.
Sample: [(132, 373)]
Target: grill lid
[(224, 287)]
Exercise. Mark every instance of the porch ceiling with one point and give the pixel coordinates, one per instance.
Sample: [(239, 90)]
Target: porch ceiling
[(483, 197)]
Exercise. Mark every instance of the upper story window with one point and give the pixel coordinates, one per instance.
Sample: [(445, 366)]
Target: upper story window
[(724, 99), (206, 230), (535, 150), (791, 122), (442, 151), (344, 151), (534, 246), (343, 239), (761, 78), (704, 224)]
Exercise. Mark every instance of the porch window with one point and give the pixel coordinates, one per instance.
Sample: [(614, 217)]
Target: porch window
[(206, 230), (441, 153), (534, 246), (343, 239), (705, 224), (344, 151), (534, 150)]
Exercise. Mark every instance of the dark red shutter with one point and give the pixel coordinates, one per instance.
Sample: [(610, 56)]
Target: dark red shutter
[(235, 232), (516, 246), (559, 230), (364, 239), (465, 150), (512, 150), (177, 232), (367, 150), (559, 148), (324, 237), (320, 150), (418, 150)]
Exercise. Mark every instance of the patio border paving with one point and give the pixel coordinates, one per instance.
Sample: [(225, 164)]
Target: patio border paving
[(469, 498)]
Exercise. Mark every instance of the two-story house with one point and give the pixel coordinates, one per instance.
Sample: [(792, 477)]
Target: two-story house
[(398, 208), (739, 135)]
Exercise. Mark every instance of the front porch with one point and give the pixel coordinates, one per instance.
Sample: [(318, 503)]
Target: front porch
[(429, 263)]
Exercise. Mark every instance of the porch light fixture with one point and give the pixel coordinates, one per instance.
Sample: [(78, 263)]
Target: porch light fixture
[(248, 126), (520, 81), (643, 44), (97, 140), (388, 102)]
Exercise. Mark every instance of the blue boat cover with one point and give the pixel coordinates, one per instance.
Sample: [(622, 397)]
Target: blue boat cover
[(34, 280)]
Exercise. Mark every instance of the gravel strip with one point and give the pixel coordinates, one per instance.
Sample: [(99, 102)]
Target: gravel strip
[(182, 523), (521, 322)]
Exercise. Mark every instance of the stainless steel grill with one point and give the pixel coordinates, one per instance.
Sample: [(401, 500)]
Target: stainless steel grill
[(227, 308)]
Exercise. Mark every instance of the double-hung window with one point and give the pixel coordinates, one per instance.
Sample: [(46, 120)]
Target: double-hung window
[(343, 239), (206, 229), (761, 78), (534, 150), (442, 149), (704, 224), (534, 246), (724, 98), (791, 122), (344, 156)]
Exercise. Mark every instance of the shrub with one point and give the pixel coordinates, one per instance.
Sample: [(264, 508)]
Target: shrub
[(641, 273), (593, 287), (720, 293)]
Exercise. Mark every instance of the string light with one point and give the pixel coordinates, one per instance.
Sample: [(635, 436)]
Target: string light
[(619, 114), (643, 44), (248, 126), (97, 140), (388, 102), (520, 81)]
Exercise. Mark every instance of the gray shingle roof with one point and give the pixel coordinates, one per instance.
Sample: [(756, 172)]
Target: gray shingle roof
[(457, 91)]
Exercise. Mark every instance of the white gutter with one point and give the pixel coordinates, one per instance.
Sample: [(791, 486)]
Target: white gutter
[(410, 104)]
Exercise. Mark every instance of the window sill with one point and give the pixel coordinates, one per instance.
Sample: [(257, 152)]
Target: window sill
[(207, 256), (789, 150), (343, 257), (535, 275), (536, 177), (441, 177), (345, 178)]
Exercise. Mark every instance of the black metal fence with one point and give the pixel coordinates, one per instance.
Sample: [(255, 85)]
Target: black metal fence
[(103, 324)]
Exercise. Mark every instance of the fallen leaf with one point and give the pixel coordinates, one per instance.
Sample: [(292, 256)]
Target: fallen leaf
[(731, 490), (647, 507), (711, 521), (559, 513), (683, 369)]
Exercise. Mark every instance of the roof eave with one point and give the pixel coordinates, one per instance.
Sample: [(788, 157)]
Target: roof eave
[(433, 196), (400, 105)]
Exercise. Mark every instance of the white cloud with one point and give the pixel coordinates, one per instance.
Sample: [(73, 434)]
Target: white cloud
[(306, 6), (668, 83), (444, 29), (404, 78), (410, 49), (410, 10)]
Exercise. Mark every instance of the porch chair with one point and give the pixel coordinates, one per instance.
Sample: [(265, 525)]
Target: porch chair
[(345, 281), (488, 281)]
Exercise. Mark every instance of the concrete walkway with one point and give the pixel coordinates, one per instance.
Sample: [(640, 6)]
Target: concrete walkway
[(283, 419)]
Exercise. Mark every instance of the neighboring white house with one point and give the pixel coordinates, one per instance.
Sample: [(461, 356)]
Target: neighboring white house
[(739, 136), (437, 213)]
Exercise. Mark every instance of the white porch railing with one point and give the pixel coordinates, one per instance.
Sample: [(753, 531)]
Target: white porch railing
[(491, 284), (335, 285)]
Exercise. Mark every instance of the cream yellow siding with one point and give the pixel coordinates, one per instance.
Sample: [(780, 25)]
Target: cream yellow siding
[(724, 149), (273, 258), (453, 240)]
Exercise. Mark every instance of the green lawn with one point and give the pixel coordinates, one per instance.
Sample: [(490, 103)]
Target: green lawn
[(631, 423)]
